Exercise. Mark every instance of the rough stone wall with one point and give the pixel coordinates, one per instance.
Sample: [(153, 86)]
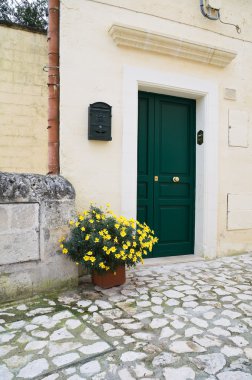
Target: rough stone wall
[(34, 211), (23, 100)]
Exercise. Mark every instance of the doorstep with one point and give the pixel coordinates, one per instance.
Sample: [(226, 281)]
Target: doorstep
[(160, 261)]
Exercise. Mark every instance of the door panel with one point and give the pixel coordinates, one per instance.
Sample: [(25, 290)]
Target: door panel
[(168, 190), (166, 148), (173, 224), (172, 133)]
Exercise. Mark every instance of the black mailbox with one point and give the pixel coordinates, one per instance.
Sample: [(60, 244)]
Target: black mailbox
[(99, 121)]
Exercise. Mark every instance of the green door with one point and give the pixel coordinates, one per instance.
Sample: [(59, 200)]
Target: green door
[(166, 171)]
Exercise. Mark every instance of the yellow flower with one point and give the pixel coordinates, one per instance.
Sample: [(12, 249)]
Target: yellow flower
[(117, 226), (115, 240), (128, 243), (113, 249), (97, 240), (61, 246), (108, 204), (98, 216), (125, 246), (134, 244), (123, 233), (132, 250), (89, 253), (91, 221), (86, 258), (117, 256), (65, 251), (77, 224), (87, 237), (105, 248), (71, 222), (102, 265), (107, 268), (83, 228), (92, 259), (103, 232), (81, 217)]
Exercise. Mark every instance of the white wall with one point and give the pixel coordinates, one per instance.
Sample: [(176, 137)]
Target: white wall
[(92, 70)]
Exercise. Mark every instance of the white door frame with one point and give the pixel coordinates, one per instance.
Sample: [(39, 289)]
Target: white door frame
[(207, 119)]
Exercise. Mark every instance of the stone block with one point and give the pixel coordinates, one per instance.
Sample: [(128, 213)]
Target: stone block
[(14, 284), (58, 213), (24, 216), (19, 247), (4, 222)]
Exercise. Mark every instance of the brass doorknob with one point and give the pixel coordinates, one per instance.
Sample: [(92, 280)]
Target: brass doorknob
[(175, 179)]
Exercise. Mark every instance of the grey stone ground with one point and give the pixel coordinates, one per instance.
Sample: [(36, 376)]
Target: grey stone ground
[(177, 322)]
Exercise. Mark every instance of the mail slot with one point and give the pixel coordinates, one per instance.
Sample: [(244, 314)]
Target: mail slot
[(99, 121)]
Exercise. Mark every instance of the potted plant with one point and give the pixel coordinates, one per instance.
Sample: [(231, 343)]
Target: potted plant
[(104, 244)]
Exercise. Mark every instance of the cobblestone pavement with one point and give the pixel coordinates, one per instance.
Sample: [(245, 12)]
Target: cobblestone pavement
[(175, 322)]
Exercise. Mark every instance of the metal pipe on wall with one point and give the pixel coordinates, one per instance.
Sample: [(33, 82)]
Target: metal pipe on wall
[(207, 15), (53, 87)]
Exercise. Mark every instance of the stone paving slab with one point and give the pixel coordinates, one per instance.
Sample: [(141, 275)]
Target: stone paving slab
[(175, 322), (45, 342)]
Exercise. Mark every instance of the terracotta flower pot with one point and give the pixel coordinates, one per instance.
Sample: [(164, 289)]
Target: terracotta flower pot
[(109, 279)]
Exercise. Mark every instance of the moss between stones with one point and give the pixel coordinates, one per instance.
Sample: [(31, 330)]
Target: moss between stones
[(10, 291)]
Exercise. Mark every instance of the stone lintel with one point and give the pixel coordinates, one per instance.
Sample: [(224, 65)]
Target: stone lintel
[(170, 45)]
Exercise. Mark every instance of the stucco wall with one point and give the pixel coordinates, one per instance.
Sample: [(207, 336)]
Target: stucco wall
[(92, 70), (23, 100)]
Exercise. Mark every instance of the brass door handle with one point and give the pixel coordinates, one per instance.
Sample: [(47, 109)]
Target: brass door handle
[(175, 179), (156, 178)]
